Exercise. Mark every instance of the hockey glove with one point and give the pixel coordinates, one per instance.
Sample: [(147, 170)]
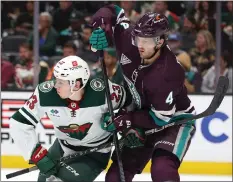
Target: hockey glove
[(44, 161), (121, 121), (98, 39), (134, 137)]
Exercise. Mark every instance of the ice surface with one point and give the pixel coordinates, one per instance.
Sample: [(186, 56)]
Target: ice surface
[(32, 176)]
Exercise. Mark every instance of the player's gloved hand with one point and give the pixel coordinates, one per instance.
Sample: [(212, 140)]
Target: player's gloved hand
[(105, 18), (44, 161), (134, 137), (121, 121), (98, 39)]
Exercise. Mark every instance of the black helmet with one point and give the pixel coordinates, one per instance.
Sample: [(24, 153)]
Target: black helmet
[(151, 25)]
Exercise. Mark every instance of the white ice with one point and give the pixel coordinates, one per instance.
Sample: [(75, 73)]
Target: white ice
[(32, 176)]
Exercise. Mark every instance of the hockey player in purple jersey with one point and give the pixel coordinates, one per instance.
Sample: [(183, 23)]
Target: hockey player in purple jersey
[(156, 81)]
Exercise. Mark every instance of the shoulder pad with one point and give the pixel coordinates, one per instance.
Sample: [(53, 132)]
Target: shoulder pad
[(94, 93), (48, 95)]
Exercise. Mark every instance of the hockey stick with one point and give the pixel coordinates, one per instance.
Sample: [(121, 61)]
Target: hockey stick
[(219, 94), (115, 138), (66, 158)]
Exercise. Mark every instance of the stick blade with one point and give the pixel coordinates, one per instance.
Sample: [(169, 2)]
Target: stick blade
[(220, 92)]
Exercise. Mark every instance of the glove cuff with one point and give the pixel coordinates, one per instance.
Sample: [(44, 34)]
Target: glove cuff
[(38, 153)]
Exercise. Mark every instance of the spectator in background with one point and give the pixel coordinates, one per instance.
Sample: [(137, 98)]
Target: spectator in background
[(203, 55), (85, 53), (47, 35), (145, 8), (204, 12), (86, 33), (113, 68), (188, 31), (6, 20), (210, 80), (62, 15), (24, 22), (7, 74), (73, 32), (69, 49), (24, 70), (227, 19), (162, 8), (192, 79), (130, 13)]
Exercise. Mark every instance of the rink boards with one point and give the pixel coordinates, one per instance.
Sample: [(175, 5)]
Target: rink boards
[(209, 153)]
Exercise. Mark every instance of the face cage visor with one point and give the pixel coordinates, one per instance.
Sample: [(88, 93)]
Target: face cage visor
[(145, 42)]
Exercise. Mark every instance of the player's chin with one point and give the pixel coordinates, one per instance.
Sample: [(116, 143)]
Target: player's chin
[(143, 56), (62, 96)]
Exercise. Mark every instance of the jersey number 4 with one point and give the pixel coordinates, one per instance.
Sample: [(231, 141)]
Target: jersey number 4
[(169, 99), (32, 101), (125, 25)]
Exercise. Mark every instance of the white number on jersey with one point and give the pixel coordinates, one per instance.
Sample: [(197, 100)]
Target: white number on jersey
[(169, 99), (125, 25)]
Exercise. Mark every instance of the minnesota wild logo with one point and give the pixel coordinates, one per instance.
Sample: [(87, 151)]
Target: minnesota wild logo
[(46, 86), (97, 84), (76, 131)]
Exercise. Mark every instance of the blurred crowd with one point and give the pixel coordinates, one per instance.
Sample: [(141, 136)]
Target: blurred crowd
[(64, 29)]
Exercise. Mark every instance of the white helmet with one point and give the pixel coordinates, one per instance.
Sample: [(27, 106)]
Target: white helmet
[(72, 68)]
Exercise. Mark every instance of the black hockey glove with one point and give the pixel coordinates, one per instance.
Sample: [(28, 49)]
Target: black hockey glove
[(134, 137)]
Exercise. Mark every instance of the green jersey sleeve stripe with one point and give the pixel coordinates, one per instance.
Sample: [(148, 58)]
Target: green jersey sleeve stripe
[(157, 120), (34, 120), (162, 122), (20, 118)]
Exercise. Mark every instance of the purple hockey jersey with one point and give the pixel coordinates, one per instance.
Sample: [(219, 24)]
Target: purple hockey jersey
[(158, 89)]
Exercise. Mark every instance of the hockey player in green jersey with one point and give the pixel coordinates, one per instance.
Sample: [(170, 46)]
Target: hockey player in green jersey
[(76, 105)]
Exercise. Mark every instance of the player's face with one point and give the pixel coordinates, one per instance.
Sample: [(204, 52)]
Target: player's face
[(63, 88), (145, 46)]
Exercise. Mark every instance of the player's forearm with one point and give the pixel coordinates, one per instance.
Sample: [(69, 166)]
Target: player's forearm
[(142, 119), (24, 137)]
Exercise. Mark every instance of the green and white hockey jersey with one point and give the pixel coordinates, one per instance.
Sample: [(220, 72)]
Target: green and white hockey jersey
[(80, 127)]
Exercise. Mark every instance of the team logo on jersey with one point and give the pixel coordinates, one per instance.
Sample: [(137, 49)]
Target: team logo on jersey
[(46, 86), (124, 60), (97, 84), (76, 131)]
